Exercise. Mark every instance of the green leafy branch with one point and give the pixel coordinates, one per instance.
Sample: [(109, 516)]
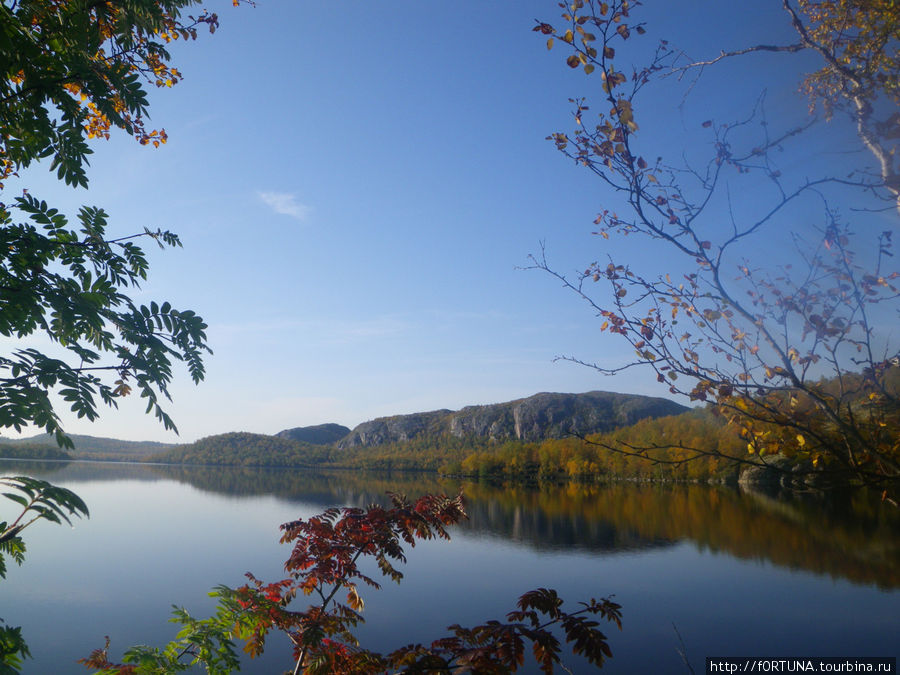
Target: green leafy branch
[(67, 284), (39, 500)]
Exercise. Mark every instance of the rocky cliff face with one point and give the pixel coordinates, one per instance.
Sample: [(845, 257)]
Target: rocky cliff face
[(529, 419), (396, 429)]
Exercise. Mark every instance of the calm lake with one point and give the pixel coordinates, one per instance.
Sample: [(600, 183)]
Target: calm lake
[(738, 574)]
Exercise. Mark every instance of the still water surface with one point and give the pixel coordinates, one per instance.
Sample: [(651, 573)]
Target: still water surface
[(735, 573)]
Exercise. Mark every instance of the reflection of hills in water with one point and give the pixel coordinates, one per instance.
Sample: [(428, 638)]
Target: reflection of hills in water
[(526, 524), (851, 536), (547, 532)]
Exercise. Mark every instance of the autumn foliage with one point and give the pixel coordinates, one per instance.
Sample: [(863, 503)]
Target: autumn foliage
[(324, 566), (793, 353), (75, 71)]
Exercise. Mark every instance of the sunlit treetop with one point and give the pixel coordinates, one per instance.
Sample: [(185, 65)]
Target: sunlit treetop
[(859, 40), (74, 69)]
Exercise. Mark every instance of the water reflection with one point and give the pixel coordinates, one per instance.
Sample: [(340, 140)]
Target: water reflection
[(849, 536)]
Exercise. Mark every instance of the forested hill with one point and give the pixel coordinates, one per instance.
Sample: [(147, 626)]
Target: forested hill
[(320, 434), (243, 448), (536, 418), (32, 451)]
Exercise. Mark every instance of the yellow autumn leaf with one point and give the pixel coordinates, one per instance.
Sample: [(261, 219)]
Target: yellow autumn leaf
[(356, 603)]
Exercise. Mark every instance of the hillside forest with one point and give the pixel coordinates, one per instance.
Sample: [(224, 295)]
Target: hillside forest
[(687, 447)]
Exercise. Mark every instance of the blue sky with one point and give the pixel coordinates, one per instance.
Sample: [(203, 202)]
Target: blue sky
[(356, 184)]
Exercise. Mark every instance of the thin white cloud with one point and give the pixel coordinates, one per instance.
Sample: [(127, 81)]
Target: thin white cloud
[(285, 204)]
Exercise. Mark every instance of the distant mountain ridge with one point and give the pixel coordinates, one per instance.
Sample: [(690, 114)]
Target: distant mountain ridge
[(535, 418), (93, 447)]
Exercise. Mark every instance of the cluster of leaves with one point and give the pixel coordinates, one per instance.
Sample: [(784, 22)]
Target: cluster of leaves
[(69, 284), (39, 501), (861, 38), (324, 564), (206, 642), (789, 355), (858, 41), (73, 70)]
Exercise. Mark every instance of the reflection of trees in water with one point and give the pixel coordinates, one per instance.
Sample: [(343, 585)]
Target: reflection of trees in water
[(545, 531), (291, 485), (849, 535), (495, 511)]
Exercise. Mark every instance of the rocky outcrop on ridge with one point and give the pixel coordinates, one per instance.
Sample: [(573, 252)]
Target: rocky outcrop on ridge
[(538, 417), (398, 428)]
